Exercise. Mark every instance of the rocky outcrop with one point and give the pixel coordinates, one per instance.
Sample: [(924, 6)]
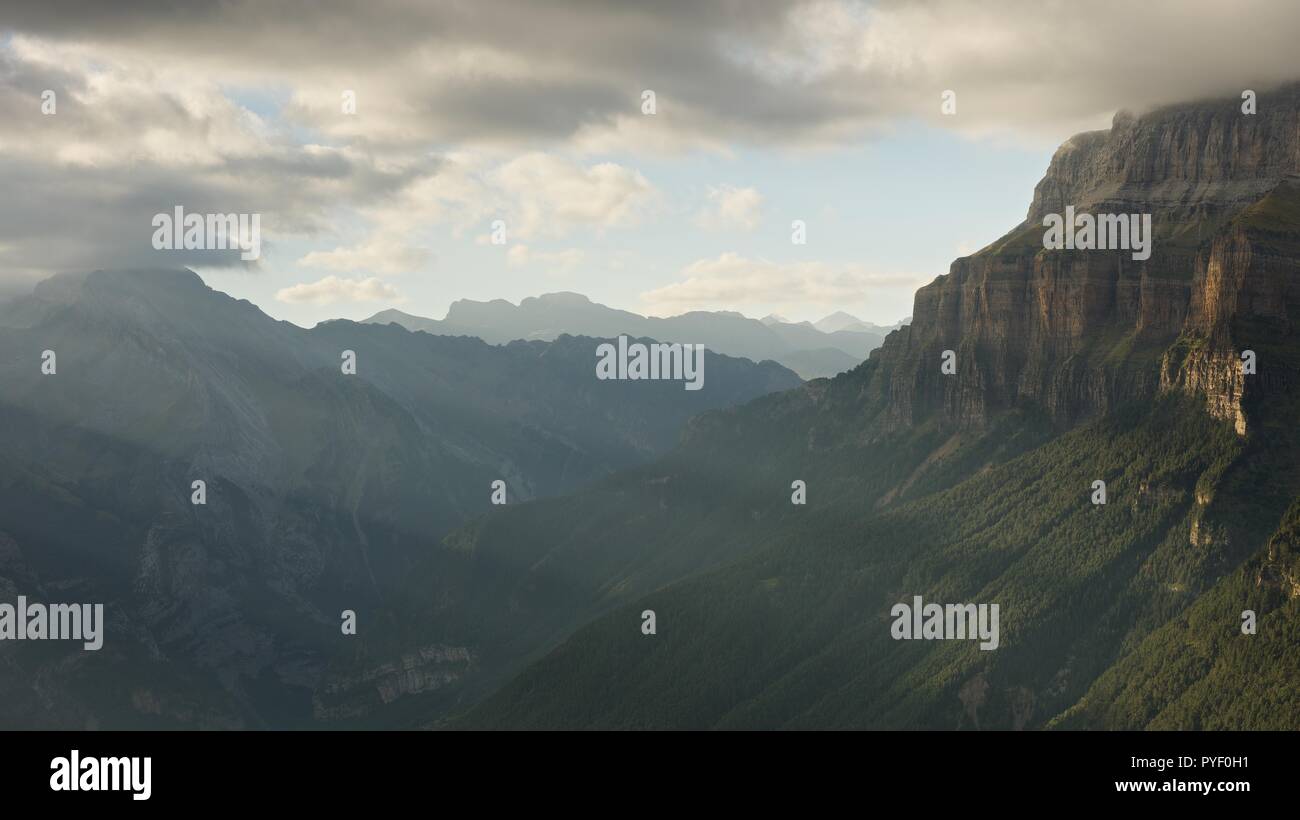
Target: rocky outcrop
[(421, 670), (1216, 377), (1245, 303)]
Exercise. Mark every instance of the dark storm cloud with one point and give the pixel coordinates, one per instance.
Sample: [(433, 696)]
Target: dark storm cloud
[(581, 62), (762, 70)]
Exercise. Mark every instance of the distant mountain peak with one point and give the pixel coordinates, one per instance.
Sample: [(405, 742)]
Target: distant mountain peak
[(840, 315), (563, 297), (839, 320), (390, 315)]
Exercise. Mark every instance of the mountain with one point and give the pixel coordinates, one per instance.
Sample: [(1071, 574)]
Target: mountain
[(410, 322), (1072, 367), (802, 348), (839, 320), (323, 490), (802, 337)]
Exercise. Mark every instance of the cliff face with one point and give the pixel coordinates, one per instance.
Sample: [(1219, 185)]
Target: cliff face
[(1077, 332), (1247, 303), (1201, 159)]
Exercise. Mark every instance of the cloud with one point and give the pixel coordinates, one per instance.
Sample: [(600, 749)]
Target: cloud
[(234, 107), (536, 195), (130, 139), (731, 208), (784, 72), (559, 261), (518, 256), (734, 280), (333, 289), (487, 72), (380, 255), (550, 196)]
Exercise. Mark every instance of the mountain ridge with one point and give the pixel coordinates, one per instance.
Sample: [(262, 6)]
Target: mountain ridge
[(810, 352)]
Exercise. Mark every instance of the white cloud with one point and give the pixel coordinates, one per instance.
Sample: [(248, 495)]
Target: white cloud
[(518, 256), (558, 261), (731, 280), (385, 255), (551, 196), (537, 195), (731, 208), (333, 289)]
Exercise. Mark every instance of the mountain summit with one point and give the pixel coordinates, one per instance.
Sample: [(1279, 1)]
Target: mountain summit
[(839, 320)]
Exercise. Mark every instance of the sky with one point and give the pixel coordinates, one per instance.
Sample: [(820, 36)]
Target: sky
[(530, 121)]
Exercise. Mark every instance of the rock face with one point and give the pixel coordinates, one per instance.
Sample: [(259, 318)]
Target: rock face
[(1077, 332), (1202, 159), (1246, 292)]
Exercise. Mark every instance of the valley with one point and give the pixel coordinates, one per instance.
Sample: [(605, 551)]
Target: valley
[(1069, 368), (359, 467)]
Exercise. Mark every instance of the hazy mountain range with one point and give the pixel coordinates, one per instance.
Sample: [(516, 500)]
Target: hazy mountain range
[(835, 344), (839, 320), (323, 489)]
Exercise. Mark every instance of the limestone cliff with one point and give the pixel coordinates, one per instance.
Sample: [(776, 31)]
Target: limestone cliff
[(1077, 332)]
